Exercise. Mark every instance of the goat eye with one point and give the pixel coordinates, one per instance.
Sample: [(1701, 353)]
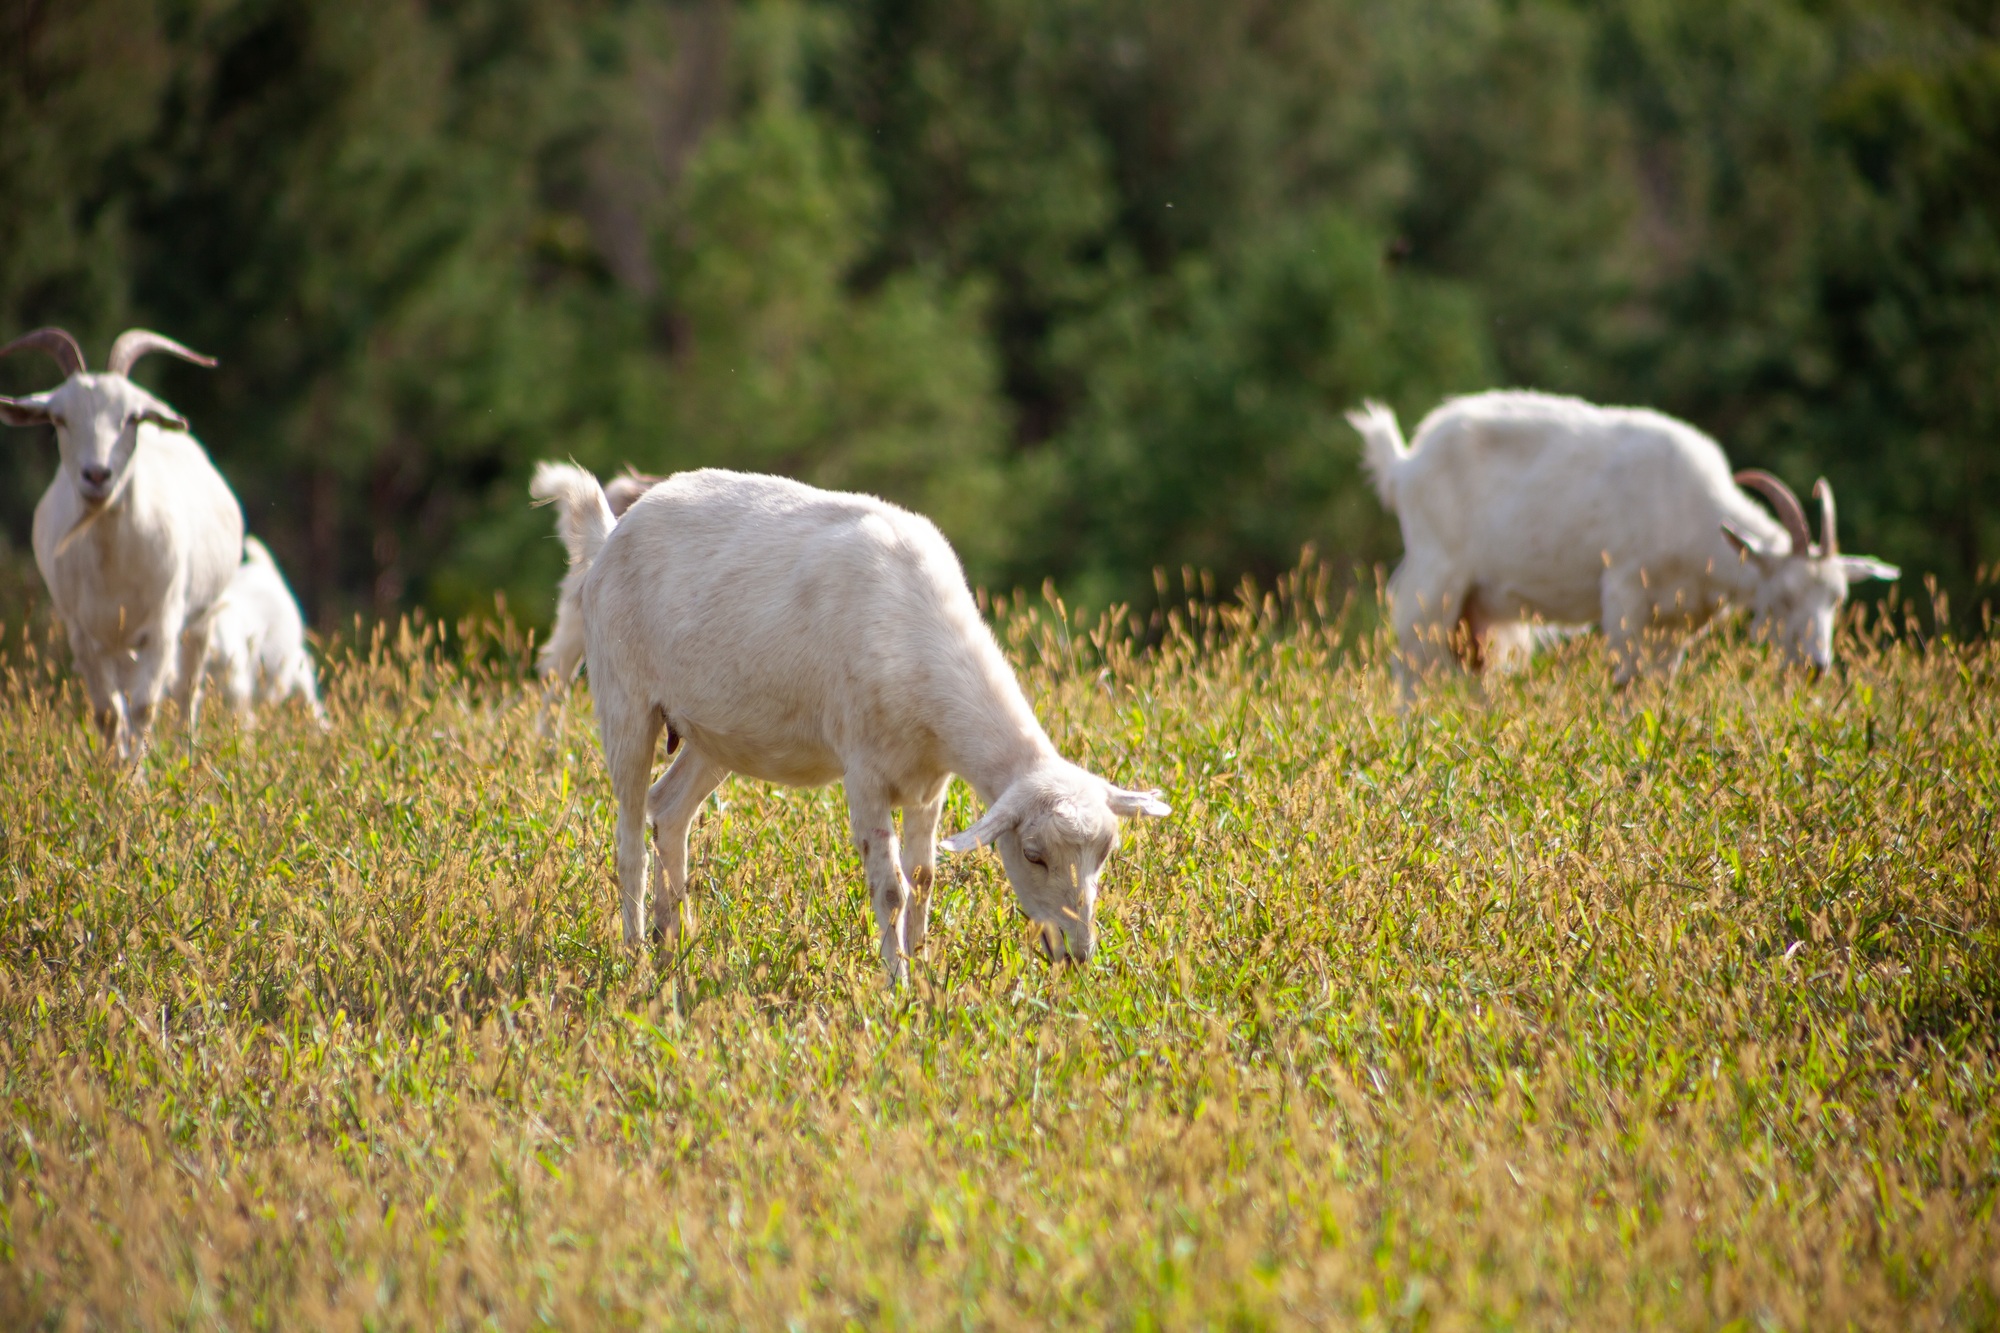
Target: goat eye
[(1036, 860)]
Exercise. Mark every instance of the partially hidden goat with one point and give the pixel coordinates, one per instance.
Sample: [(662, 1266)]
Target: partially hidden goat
[(137, 537), (1516, 506), (562, 656), (801, 636), (257, 646)]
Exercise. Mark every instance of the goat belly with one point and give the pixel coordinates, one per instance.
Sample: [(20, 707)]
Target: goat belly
[(793, 761)]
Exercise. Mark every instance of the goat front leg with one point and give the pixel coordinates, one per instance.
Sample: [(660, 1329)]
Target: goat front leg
[(1702, 629), (673, 803), (1627, 611), (1425, 605), (146, 680), (101, 684), (300, 680), (919, 862), (872, 820)]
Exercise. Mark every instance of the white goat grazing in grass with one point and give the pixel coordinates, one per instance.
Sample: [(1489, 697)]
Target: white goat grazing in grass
[(800, 636), (137, 536), (257, 647), (1519, 505)]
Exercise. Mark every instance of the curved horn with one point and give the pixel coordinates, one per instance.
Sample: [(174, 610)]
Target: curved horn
[(1829, 539), (135, 343), (56, 342), (1790, 512)]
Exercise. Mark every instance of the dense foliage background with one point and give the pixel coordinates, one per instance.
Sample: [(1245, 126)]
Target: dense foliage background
[(1089, 281)]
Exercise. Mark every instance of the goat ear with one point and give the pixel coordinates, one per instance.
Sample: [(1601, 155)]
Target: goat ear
[(24, 412), (1745, 546), (1859, 567), (995, 822), (621, 493), (164, 420), (1126, 804)]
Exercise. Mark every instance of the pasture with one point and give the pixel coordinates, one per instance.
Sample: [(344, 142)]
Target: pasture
[(1547, 1009)]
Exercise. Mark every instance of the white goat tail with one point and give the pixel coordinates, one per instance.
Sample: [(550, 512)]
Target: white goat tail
[(583, 518), (1383, 450), (583, 521)]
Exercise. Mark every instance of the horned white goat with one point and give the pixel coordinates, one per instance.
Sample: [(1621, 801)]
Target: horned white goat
[(136, 537), (800, 636), (1517, 505), (257, 647)]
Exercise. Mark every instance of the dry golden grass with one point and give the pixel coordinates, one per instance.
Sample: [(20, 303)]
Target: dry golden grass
[(1546, 1010)]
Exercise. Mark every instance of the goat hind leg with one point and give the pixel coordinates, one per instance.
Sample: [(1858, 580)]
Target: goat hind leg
[(629, 729), (1425, 609), (673, 803), (1627, 612)]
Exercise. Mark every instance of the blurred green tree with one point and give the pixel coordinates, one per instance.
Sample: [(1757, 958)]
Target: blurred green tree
[(1213, 435), (1088, 281)]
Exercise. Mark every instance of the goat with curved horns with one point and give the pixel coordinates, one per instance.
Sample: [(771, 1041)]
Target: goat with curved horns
[(137, 537), (1517, 505)]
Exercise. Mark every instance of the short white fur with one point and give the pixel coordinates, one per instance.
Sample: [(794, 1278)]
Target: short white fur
[(803, 636), (257, 645), (137, 536), (1516, 506)]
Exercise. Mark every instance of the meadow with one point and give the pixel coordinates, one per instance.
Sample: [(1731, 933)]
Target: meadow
[(1530, 1007)]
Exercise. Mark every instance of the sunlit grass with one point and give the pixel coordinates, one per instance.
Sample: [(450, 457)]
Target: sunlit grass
[(1546, 1009)]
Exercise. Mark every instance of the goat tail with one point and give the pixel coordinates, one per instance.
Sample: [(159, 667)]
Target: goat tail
[(1382, 449), (256, 553), (583, 519)]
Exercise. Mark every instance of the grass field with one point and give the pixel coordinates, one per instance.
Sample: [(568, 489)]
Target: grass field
[(1547, 1009)]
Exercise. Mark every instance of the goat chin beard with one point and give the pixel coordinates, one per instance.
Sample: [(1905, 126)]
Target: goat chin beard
[(92, 511), (82, 526)]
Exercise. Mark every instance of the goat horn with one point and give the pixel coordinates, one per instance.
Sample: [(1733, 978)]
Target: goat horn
[(135, 343), (56, 342), (1790, 512), (1829, 540)]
